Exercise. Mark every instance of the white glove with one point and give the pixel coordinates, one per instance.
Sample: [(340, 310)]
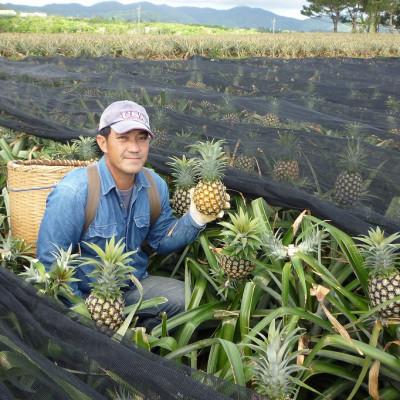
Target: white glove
[(200, 218)]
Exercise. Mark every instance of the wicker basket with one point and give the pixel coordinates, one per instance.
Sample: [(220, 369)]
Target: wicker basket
[(28, 185)]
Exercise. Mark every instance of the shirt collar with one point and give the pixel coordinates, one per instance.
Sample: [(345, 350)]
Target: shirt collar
[(108, 183)]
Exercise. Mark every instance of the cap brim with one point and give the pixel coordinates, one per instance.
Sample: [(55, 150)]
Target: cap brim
[(127, 125)]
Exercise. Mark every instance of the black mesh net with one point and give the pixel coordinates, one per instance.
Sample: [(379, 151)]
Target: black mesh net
[(288, 124), (48, 352)]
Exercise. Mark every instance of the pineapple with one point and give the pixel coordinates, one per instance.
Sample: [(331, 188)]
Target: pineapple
[(381, 256), (271, 120), (274, 363), (241, 240), (111, 271), (184, 179), (287, 167), (210, 194), (244, 162), (348, 185), (160, 134), (231, 117)]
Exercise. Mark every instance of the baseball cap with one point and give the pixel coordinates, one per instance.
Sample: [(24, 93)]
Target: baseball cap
[(123, 116)]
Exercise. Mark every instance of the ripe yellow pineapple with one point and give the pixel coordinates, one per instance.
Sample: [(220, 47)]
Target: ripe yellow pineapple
[(110, 274), (184, 179), (286, 168), (210, 195), (381, 256), (241, 240)]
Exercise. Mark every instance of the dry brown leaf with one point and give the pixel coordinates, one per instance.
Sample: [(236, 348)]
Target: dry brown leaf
[(373, 386)]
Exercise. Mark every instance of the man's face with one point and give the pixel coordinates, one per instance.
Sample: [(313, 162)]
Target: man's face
[(126, 153)]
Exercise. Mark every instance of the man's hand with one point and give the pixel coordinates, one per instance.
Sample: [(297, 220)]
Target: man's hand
[(202, 219)]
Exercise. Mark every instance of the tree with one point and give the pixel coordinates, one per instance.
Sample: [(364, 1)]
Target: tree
[(332, 8), (352, 14)]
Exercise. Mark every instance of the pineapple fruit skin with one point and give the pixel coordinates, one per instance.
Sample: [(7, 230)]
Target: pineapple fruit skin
[(286, 170), (348, 188), (210, 197), (181, 201), (244, 163), (384, 288), (107, 314), (236, 268)]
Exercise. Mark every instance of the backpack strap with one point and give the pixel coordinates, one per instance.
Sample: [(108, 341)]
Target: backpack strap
[(154, 198), (93, 196)]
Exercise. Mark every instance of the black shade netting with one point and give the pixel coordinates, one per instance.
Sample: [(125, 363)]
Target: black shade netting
[(49, 352), (333, 108)]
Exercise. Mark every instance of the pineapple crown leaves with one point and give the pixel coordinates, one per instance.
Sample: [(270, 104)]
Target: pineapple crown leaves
[(289, 146), (241, 236), (86, 148), (61, 274), (310, 240), (111, 268), (380, 253), (353, 159), (273, 246), (183, 171), (275, 361), (211, 165)]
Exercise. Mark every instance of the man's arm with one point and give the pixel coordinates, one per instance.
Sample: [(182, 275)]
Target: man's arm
[(169, 234), (62, 222)]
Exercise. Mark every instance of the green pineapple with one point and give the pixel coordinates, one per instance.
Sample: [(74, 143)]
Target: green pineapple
[(274, 363), (184, 179), (160, 133), (241, 240), (381, 256), (210, 193), (348, 184), (286, 168), (110, 274)]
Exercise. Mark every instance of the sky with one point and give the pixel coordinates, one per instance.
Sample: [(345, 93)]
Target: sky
[(287, 8)]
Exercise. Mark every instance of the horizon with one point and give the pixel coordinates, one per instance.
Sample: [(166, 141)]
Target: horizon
[(291, 10)]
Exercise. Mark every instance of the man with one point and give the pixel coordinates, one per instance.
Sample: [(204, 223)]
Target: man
[(123, 210)]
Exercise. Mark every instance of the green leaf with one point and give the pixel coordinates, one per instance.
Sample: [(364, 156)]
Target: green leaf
[(235, 361)]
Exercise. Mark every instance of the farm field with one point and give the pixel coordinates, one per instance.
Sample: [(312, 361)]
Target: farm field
[(297, 286), (217, 45)]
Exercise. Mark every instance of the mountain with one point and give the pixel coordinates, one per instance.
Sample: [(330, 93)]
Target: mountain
[(237, 17)]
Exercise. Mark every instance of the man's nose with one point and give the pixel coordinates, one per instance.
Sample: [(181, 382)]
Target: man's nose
[(133, 145)]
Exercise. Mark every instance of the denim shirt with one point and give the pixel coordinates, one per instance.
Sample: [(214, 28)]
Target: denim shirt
[(64, 217)]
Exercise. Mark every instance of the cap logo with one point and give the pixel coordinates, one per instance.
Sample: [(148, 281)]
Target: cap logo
[(135, 115)]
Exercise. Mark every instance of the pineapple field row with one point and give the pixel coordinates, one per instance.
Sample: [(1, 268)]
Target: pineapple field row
[(299, 283), (218, 45)]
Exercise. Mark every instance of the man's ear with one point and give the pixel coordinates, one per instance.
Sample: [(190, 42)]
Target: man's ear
[(102, 142)]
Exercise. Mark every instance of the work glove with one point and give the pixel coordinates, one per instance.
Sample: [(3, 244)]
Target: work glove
[(202, 219)]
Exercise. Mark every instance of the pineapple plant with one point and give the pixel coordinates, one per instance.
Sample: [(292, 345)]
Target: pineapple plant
[(210, 195), (286, 168), (274, 363), (241, 239), (184, 179), (109, 275), (381, 257), (348, 184)]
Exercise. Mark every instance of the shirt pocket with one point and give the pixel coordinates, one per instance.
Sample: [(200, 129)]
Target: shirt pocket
[(141, 229), (98, 234)]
